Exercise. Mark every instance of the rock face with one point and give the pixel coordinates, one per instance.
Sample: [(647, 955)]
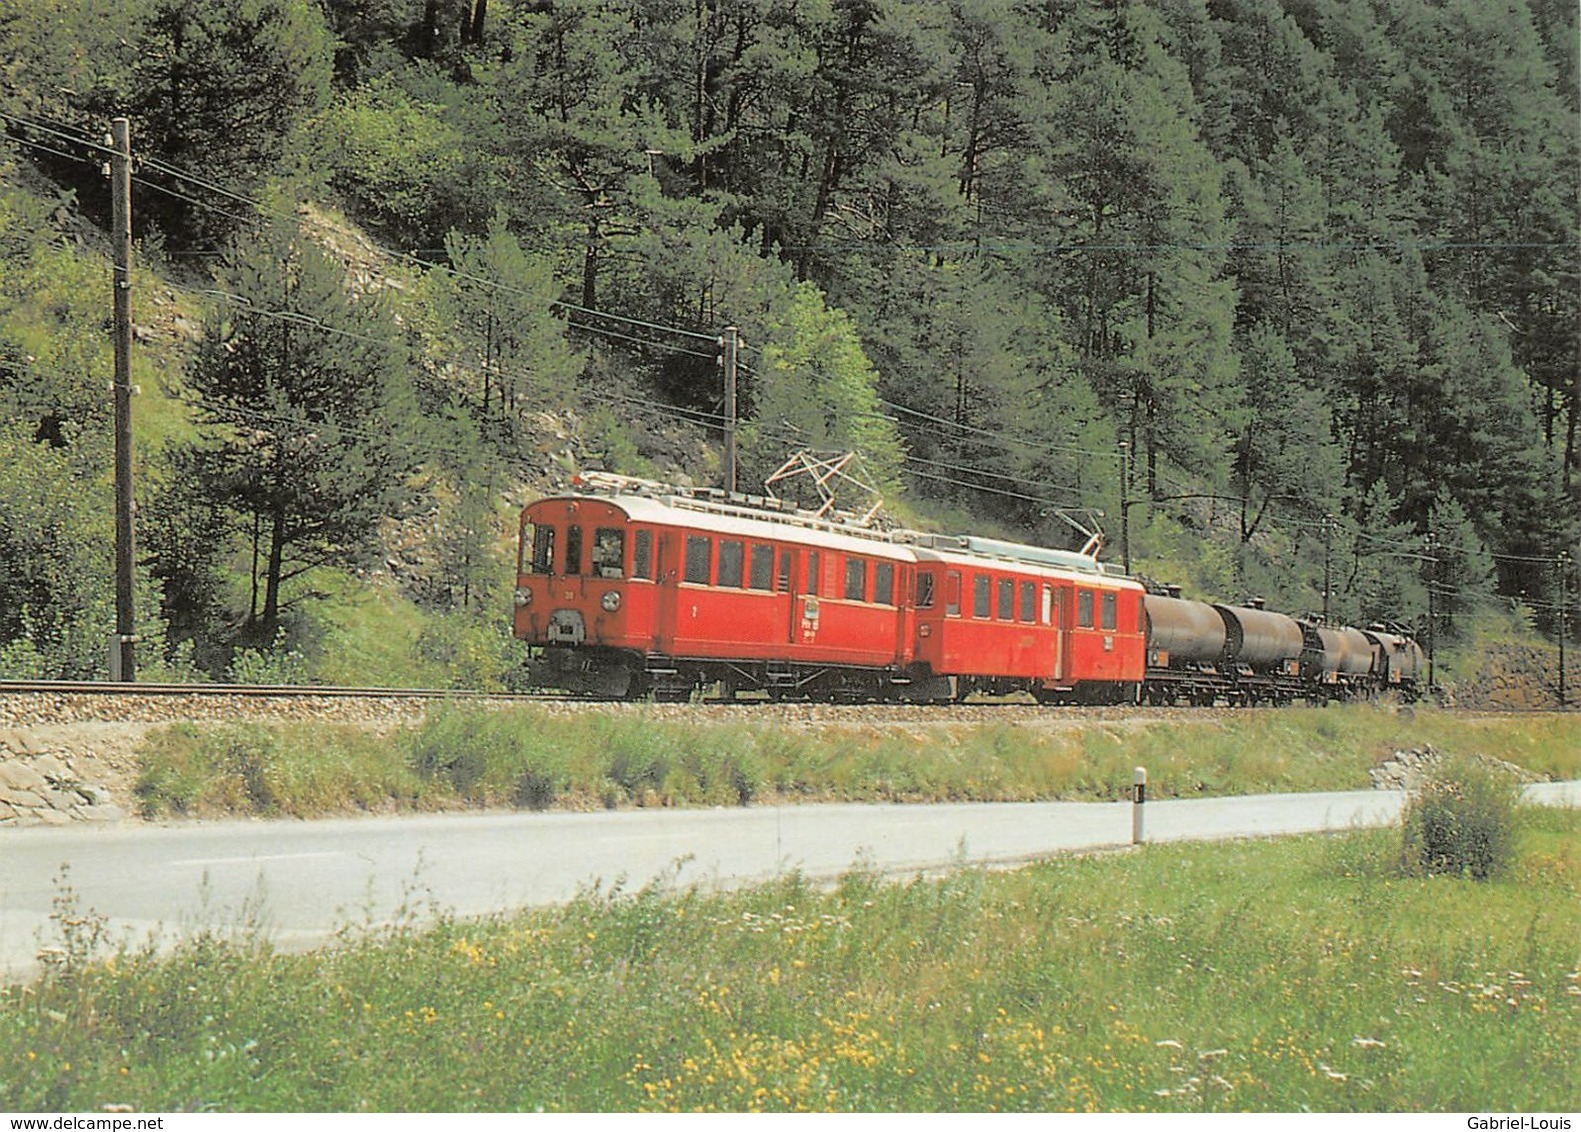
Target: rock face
[(1518, 677), (39, 786)]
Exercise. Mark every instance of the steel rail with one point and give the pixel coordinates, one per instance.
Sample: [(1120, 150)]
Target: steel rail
[(301, 691)]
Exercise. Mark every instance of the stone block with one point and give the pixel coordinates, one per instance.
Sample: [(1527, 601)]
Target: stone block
[(20, 776), (54, 769), (21, 799)]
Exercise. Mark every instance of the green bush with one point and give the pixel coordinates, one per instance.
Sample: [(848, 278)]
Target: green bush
[(1462, 820)]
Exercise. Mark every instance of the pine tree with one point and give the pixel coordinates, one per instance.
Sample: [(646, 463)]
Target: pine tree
[(307, 412), (1285, 453), (502, 299)]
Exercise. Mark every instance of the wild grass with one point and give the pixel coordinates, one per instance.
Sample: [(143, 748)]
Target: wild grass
[(297, 770), (1273, 976), (534, 758)]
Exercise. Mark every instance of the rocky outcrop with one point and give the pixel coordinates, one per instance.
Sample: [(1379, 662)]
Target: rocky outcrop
[(1405, 770), (1516, 677), (42, 787)]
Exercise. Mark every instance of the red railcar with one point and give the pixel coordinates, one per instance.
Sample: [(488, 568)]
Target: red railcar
[(630, 594), (639, 592), (1000, 617)]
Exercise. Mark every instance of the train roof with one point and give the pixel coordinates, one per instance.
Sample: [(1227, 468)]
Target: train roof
[(1049, 569), (771, 520), (747, 523)]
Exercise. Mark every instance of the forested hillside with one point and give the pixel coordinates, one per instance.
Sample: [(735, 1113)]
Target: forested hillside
[(1292, 286)]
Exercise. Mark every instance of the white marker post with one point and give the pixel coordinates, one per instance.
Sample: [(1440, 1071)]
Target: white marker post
[(1138, 799)]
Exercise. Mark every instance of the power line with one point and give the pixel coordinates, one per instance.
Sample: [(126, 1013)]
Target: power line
[(190, 178), (75, 138), (185, 176), (1042, 446)]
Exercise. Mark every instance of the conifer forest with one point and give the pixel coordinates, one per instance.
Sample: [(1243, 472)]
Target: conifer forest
[(1284, 293)]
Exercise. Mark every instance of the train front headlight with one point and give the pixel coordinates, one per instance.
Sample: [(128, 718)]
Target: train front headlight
[(610, 601), (523, 597)]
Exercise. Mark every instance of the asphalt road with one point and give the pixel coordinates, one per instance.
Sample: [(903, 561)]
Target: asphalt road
[(300, 882)]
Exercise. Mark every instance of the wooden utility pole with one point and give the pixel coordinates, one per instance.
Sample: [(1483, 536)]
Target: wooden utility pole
[(1328, 566), (1432, 604), (1564, 620), (123, 663), (1125, 506), (729, 346)]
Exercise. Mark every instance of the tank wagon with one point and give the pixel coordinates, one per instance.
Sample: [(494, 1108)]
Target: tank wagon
[(628, 590), (1199, 653)]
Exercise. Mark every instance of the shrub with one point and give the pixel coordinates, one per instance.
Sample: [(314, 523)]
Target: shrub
[(1462, 820)]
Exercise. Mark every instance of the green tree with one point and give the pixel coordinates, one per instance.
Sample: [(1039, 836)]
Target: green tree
[(1384, 581), (308, 411), (1139, 273), (1465, 576), (217, 89), (579, 126), (407, 159), (502, 301), (57, 603), (814, 388), (1284, 452)]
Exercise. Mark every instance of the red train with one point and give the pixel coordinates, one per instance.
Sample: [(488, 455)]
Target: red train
[(627, 590)]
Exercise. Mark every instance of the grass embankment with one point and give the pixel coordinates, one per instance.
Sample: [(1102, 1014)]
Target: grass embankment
[(533, 758), (1306, 973)]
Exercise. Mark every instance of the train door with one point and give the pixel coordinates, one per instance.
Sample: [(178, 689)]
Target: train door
[(1048, 615), (667, 575), (905, 613), (787, 580), (1054, 614), (806, 606)]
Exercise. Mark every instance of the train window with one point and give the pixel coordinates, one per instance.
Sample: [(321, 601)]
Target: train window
[(609, 552), (1007, 599), (884, 583), (811, 583), (785, 569), (732, 559), (925, 583), (1108, 611), (855, 579), (699, 552), (762, 568), (982, 595), (1029, 601), (952, 593), (573, 549), (642, 555), (1084, 609), (542, 550)]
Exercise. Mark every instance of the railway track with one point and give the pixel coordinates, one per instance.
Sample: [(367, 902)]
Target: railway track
[(104, 688), (34, 703), (27, 703)]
